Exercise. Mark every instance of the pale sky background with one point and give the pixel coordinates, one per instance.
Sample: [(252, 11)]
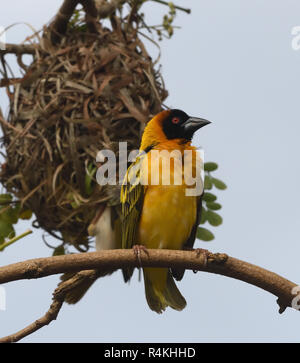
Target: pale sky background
[(232, 62)]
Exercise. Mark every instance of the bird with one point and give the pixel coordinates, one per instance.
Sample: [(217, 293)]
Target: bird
[(169, 130), (159, 216)]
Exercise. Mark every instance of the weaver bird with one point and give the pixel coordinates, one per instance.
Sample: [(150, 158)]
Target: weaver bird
[(158, 215)]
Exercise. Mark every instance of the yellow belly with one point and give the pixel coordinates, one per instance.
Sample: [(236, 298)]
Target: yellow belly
[(167, 217)]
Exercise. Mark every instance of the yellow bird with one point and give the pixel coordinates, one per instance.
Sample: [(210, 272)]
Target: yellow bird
[(160, 214)]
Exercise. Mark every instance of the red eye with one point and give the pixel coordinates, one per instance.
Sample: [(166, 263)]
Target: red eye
[(175, 120)]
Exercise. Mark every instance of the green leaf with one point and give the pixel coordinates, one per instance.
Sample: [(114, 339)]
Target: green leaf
[(9, 213), (213, 218), (4, 198), (203, 216), (213, 205), (219, 184), (210, 166), (204, 234), (12, 239), (208, 182), (209, 197), (6, 229), (26, 214), (91, 170), (16, 212), (59, 251)]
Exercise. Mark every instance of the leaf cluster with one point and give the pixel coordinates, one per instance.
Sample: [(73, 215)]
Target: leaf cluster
[(210, 206)]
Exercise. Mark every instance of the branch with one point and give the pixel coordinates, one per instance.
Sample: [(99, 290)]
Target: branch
[(115, 259), (14, 239), (59, 25), (50, 315), (175, 6), (106, 9), (217, 263), (90, 15), (18, 49), (58, 300)]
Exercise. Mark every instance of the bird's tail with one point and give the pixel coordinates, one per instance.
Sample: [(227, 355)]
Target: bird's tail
[(161, 290), (75, 285)]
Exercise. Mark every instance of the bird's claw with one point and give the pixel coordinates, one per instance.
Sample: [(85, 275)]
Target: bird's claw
[(137, 249)]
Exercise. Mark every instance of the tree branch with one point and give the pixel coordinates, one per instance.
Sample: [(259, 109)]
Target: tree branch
[(106, 9), (58, 299), (59, 25), (175, 6), (90, 15), (50, 315), (217, 263), (18, 49), (115, 259)]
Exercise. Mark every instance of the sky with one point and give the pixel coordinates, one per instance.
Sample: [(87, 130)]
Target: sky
[(233, 63)]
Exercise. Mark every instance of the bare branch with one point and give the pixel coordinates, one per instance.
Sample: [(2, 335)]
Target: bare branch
[(59, 25), (50, 315), (18, 49), (58, 299), (114, 259), (90, 15), (92, 263), (106, 9), (175, 6)]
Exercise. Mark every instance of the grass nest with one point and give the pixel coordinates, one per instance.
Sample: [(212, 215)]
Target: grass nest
[(79, 95)]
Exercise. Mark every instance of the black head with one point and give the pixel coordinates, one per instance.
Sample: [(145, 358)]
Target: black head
[(179, 125)]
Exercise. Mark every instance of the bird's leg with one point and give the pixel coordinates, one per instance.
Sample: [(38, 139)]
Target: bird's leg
[(137, 251)]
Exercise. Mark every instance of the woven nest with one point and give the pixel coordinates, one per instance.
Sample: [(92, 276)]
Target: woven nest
[(77, 97)]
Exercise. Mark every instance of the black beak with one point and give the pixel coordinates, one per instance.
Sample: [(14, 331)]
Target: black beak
[(192, 124)]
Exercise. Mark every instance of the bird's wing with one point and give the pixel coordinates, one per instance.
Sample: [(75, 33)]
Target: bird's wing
[(189, 244), (132, 197)]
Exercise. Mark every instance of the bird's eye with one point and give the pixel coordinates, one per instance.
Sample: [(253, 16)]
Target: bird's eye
[(175, 120)]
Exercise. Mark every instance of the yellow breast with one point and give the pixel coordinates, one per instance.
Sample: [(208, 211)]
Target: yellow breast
[(168, 214), (167, 217)]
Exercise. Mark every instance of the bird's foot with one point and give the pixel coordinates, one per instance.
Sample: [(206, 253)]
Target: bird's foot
[(137, 249)]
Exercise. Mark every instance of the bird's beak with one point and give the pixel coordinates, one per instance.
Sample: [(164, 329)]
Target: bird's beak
[(192, 124)]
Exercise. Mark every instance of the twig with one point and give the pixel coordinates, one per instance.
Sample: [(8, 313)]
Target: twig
[(59, 25), (107, 9), (18, 49), (59, 296), (175, 6), (90, 15), (50, 315), (13, 240)]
